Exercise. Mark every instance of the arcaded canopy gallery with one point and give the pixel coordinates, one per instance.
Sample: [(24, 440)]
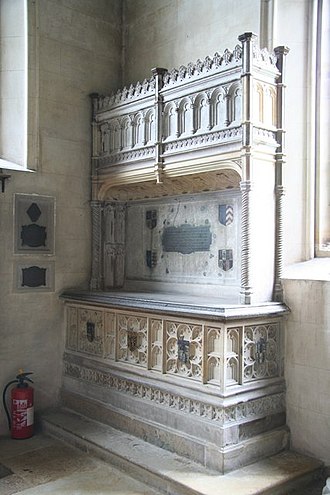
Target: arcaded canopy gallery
[(165, 244)]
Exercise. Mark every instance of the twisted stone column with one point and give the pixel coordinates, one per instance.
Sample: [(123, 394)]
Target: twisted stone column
[(96, 282), (245, 243), (278, 289)]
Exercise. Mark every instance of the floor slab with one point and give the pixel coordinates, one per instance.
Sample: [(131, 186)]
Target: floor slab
[(172, 474)]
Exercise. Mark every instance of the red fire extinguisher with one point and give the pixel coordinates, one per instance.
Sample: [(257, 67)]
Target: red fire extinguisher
[(22, 411)]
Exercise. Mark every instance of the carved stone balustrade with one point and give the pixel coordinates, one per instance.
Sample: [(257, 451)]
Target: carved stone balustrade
[(212, 125)]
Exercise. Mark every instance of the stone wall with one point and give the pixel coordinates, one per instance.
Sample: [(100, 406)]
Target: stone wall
[(308, 365), (169, 33), (77, 51)]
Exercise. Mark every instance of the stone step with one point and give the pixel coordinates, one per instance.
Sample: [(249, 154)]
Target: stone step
[(175, 475)]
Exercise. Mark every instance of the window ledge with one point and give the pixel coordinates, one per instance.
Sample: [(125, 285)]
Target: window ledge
[(316, 269), (8, 165)]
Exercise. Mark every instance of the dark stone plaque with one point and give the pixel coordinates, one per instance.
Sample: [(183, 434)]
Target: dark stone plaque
[(34, 276), (187, 239), (33, 235), (34, 212)]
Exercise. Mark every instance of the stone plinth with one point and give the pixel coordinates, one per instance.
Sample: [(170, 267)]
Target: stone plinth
[(201, 379)]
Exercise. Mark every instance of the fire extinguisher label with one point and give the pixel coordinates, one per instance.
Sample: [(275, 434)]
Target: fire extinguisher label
[(29, 416), (20, 404)]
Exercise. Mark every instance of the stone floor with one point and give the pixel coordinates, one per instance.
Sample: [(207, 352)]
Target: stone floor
[(46, 466)]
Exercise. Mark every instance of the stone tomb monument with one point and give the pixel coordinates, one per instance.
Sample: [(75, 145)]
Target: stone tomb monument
[(179, 339)]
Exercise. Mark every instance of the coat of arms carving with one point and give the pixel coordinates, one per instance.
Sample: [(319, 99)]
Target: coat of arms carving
[(151, 218), (225, 260), (132, 340)]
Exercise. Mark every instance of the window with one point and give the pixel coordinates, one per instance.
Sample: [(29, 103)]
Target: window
[(322, 126), (18, 69)]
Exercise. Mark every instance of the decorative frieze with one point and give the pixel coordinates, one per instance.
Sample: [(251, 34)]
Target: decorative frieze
[(222, 415), (211, 138)]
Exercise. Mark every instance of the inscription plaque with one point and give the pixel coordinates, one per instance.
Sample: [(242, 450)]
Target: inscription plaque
[(186, 239), (34, 276)]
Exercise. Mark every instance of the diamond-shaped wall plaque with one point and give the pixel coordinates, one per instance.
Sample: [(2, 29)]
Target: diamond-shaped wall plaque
[(34, 212)]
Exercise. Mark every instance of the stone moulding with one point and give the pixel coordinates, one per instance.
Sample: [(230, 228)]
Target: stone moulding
[(222, 415)]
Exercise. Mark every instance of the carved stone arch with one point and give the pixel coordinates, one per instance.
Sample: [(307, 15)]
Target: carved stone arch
[(218, 108), (270, 113), (185, 122), (170, 120), (259, 102), (115, 135), (126, 140), (138, 125), (104, 138), (234, 107), (149, 123), (201, 112)]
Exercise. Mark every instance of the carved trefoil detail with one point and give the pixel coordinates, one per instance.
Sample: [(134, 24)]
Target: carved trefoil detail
[(184, 352), (90, 332), (132, 339), (261, 352)]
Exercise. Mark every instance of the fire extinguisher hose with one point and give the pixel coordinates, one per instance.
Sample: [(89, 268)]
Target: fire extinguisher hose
[(4, 401)]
